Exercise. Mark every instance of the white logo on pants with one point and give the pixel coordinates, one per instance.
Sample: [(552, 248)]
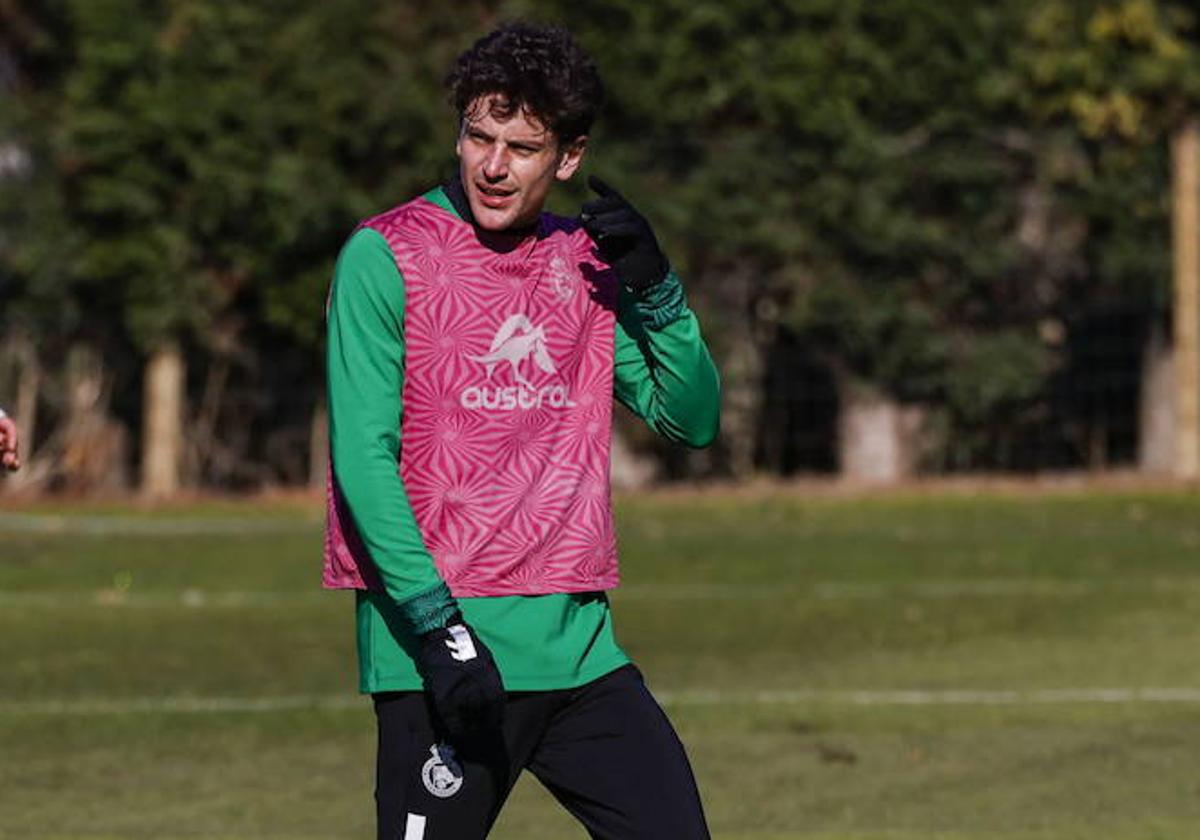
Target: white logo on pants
[(442, 774), (414, 827)]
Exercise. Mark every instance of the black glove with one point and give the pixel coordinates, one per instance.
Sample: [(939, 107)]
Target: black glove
[(461, 680), (624, 237)]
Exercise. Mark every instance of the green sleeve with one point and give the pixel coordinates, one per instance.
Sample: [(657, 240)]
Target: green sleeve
[(365, 371), (663, 371)]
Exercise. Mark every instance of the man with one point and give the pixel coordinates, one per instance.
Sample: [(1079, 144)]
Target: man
[(478, 342), (10, 456)]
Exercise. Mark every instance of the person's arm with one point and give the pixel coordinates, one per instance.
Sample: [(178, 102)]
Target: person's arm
[(662, 368), (365, 372), (10, 454)]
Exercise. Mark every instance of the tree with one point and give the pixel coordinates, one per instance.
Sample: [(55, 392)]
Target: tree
[(919, 214), (1126, 73), (48, 315), (845, 173)]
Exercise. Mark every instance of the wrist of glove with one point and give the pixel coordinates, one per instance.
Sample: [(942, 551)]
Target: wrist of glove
[(461, 680), (624, 238)]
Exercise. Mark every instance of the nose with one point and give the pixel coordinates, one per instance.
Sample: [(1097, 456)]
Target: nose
[(495, 165)]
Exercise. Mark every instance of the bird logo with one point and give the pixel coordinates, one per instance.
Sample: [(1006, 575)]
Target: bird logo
[(517, 340)]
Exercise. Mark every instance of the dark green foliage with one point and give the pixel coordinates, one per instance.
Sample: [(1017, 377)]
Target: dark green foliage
[(214, 155), (846, 160), (924, 196), (917, 188)]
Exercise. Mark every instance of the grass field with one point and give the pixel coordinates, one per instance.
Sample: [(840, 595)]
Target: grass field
[(934, 665)]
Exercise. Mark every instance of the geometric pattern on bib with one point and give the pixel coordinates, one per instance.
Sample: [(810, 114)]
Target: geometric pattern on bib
[(507, 408)]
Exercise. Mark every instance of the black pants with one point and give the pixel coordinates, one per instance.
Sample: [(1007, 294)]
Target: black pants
[(605, 750)]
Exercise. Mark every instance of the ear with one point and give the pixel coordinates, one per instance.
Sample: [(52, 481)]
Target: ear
[(570, 157)]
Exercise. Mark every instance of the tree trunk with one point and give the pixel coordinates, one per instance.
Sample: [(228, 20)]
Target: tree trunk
[(747, 334), (201, 441), (1156, 421), (162, 421), (878, 437), (742, 373), (29, 387), (1185, 213), (93, 445), (318, 445)]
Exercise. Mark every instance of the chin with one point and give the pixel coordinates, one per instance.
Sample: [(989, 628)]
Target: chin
[(491, 223), (489, 219)]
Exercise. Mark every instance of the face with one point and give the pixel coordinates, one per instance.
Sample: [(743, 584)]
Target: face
[(508, 164)]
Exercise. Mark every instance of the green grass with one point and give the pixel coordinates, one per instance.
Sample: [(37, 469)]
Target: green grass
[(118, 624)]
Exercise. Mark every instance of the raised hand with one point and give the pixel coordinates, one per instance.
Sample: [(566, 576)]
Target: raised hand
[(624, 238)]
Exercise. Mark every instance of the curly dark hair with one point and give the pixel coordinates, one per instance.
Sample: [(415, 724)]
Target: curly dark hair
[(541, 70)]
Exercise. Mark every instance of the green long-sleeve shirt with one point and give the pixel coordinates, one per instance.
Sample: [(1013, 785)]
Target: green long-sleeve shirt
[(661, 370)]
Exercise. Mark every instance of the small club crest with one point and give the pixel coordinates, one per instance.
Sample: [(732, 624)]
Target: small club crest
[(562, 279), (442, 774)]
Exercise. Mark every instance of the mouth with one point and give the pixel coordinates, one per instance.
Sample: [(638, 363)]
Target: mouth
[(494, 197)]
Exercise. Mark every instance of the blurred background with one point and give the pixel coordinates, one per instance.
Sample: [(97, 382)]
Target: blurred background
[(923, 238)]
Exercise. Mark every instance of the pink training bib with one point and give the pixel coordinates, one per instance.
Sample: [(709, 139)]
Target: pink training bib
[(507, 409)]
